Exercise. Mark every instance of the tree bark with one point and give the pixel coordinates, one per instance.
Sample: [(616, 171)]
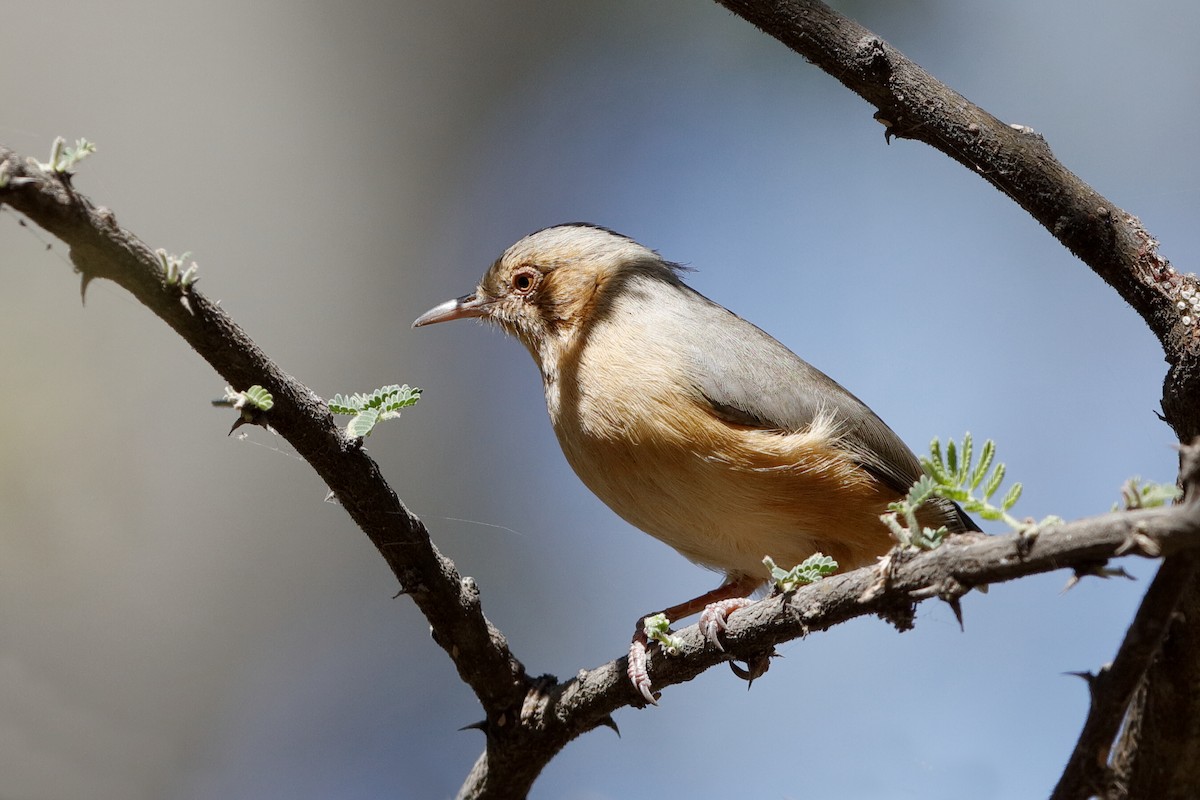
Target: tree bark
[(528, 720), (1016, 160)]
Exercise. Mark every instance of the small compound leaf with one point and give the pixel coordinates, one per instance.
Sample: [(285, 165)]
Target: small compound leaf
[(259, 397), (362, 423)]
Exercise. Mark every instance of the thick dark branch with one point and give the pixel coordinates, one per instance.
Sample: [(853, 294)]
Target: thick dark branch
[(1112, 689), (1087, 774), (912, 105), (946, 573), (1017, 161), (528, 722), (564, 711), (1156, 755), (100, 248), (915, 105)]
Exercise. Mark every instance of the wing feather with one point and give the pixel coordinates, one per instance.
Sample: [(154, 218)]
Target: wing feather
[(748, 378)]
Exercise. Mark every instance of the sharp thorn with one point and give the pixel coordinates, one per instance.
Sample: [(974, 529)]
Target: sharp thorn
[(609, 722), (956, 607)]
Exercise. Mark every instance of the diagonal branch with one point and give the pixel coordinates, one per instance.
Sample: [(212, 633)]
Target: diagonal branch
[(946, 573), (528, 721), (559, 712), (100, 248), (1111, 689), (1015, 159), (912, 104), (1088, 771)]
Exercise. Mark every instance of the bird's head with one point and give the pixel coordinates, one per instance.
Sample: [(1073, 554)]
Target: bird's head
[(548, 286)]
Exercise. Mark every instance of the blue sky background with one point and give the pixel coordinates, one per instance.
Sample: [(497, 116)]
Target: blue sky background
[(180, 614)]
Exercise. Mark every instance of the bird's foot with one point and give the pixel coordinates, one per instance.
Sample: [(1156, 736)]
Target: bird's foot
[(714, 618), (638, 675), (713, 621)]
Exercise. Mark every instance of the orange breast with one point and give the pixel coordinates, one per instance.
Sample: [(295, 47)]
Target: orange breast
[(723, 495)]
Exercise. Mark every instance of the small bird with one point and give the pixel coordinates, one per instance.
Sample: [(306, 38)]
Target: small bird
[(691, 423)]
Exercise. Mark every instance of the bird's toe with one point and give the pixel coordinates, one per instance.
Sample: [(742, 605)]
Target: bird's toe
[(715, 616), (637, 672)]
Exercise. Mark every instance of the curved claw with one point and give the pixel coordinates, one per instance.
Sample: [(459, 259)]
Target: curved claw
[(756, 667), (638, 675), (714, 618)]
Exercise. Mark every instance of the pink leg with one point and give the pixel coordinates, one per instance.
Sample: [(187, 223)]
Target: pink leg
[(715, 606)]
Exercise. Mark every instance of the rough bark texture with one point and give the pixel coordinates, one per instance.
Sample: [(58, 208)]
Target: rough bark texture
[(528, 720), (1017, 161)]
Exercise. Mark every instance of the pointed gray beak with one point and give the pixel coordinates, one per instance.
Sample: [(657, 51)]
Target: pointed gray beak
[(470, 305)]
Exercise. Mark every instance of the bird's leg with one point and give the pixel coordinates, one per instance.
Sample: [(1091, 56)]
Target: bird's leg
[(715, 607)]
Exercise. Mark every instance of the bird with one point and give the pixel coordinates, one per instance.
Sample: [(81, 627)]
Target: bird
[(691, 423)]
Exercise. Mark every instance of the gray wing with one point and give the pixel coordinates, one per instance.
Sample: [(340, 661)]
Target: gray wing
[(749, 378)]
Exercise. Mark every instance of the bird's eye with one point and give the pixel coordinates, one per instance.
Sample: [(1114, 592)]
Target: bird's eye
[(525, 280)]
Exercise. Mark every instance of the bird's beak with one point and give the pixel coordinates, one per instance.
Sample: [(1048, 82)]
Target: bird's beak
[(470, 305)]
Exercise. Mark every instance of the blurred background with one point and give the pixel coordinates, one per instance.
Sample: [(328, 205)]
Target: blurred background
[(181, 616)]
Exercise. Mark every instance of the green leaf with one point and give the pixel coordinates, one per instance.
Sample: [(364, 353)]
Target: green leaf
[(921, 491), (954, 493), (658, 629), (342, 405), (370, 409), (388, 400), (985, 461), (1135, 494), (965, 459), (1154, 495), (810, 570), (260, 398), (935, 450), (937, 470), (63, 159), (933, 538), (777, 572), (994, 481), (362, 423), (956, 477), (1010, 499)]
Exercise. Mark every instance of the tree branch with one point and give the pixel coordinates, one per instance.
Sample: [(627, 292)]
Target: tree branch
[(528, 721), (1016, 160), (1111, 688), (946, 573), (912, 104), (100, 248), (556, 713)]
